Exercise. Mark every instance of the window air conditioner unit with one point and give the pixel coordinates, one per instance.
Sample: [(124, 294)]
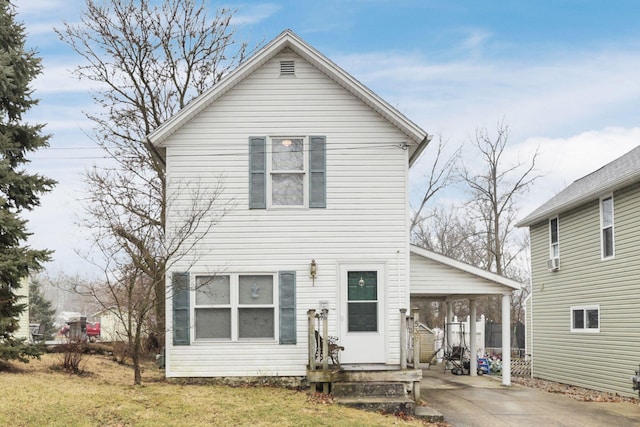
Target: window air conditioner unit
[(553, 264)]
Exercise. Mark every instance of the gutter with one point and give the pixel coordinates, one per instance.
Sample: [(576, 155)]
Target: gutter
[(421, 146), (593, 195)]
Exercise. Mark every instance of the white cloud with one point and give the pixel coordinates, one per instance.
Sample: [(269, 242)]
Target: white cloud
[(564, 160), (557, 96), (474, 39), (253, 14), (560, 161), (30, 7)]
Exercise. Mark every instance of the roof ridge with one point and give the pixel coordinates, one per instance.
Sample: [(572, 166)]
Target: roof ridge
[(616, 174)]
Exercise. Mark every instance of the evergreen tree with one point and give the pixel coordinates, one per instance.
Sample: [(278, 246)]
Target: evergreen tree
[(40, 310), (19, 190)]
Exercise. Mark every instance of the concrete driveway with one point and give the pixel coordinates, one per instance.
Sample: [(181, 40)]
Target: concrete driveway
[(483, 401)]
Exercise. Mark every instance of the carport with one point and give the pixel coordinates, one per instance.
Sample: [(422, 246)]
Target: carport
[(442, 278)]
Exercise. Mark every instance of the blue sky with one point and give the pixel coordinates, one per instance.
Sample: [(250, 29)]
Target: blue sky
[(563, 74)]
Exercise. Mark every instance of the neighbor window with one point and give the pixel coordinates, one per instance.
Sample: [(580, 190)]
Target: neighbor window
[(235, 307), (554, 249), (585, 319), (606, 220)]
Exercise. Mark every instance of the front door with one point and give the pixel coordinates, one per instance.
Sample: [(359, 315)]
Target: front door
[(361, 317)]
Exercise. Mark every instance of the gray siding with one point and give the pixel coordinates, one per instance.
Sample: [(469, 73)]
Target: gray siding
[(605, 360)]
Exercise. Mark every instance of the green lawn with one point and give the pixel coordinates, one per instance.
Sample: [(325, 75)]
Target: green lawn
[(38, 394)]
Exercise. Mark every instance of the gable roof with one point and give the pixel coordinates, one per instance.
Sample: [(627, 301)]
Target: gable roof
[(467, 268), (418, 138), (623, 171)]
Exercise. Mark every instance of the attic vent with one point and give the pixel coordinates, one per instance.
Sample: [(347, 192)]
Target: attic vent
[(287, 68)]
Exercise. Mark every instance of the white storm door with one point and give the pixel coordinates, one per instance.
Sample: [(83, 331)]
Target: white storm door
[(361, 317)]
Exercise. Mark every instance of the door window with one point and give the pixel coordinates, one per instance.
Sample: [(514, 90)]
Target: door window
[(362, 301)]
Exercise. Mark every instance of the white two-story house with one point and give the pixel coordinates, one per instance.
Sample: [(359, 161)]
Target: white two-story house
[(313, 169)]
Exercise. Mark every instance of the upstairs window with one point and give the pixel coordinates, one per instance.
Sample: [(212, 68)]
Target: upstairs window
[(287, 172), (585, 319), (606, 221), (554, 246)]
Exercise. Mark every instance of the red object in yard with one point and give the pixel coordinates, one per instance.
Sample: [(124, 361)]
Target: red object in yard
[(64, 330), (93, 329)]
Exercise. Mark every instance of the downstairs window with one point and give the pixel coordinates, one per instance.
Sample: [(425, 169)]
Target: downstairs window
[(585, 319)]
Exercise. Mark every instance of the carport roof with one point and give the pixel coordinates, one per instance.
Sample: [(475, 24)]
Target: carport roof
[(436, 275)]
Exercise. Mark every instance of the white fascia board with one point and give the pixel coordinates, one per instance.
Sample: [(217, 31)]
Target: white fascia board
[(289, 39), (467, 268), (546, 214)]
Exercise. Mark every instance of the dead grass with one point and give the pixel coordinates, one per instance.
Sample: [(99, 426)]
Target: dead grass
[(35, 394)]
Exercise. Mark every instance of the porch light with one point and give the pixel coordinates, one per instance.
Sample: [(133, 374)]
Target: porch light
[(361, 282), (313, 271)]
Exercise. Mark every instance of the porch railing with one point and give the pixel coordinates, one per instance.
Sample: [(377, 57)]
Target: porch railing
[(324, 354), (322, 347), (409, 338)]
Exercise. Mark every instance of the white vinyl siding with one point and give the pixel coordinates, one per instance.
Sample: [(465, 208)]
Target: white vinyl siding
[(23, 330), (429, 277), (604, 360), (365, 219)]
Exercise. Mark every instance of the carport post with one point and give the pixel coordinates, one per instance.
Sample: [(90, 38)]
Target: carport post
[(403, 338), (506, 339), (473, 341), (447, 326)]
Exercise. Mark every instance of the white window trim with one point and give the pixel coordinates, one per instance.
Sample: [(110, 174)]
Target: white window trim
[(304, 172), (584, 309), (613, 228), (551, 244), (234, 284)]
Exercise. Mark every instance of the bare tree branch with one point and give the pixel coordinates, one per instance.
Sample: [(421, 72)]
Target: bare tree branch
[(150, 59), (439, 177)]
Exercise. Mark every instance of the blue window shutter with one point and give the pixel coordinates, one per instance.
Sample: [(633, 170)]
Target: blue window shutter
[(317, 172), (257, 172), (180, 285), (287, 291)]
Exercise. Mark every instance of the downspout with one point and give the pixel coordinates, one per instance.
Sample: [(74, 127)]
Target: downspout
[(531, 334), (155, 152)]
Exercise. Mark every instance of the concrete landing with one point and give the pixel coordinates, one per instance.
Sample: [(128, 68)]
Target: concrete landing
[(467, 401), (428, 414)]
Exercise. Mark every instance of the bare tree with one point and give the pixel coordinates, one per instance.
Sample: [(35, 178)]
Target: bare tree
[(495, 191), (481, 231), (149, 59), (441, 175), (447, 230)]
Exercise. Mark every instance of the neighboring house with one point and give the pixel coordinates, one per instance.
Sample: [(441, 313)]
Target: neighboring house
[(24, 331), (583, 320), (316, 167), (111, 326)]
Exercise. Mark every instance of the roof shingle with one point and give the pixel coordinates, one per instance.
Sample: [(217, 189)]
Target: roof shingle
[(619, 173)]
